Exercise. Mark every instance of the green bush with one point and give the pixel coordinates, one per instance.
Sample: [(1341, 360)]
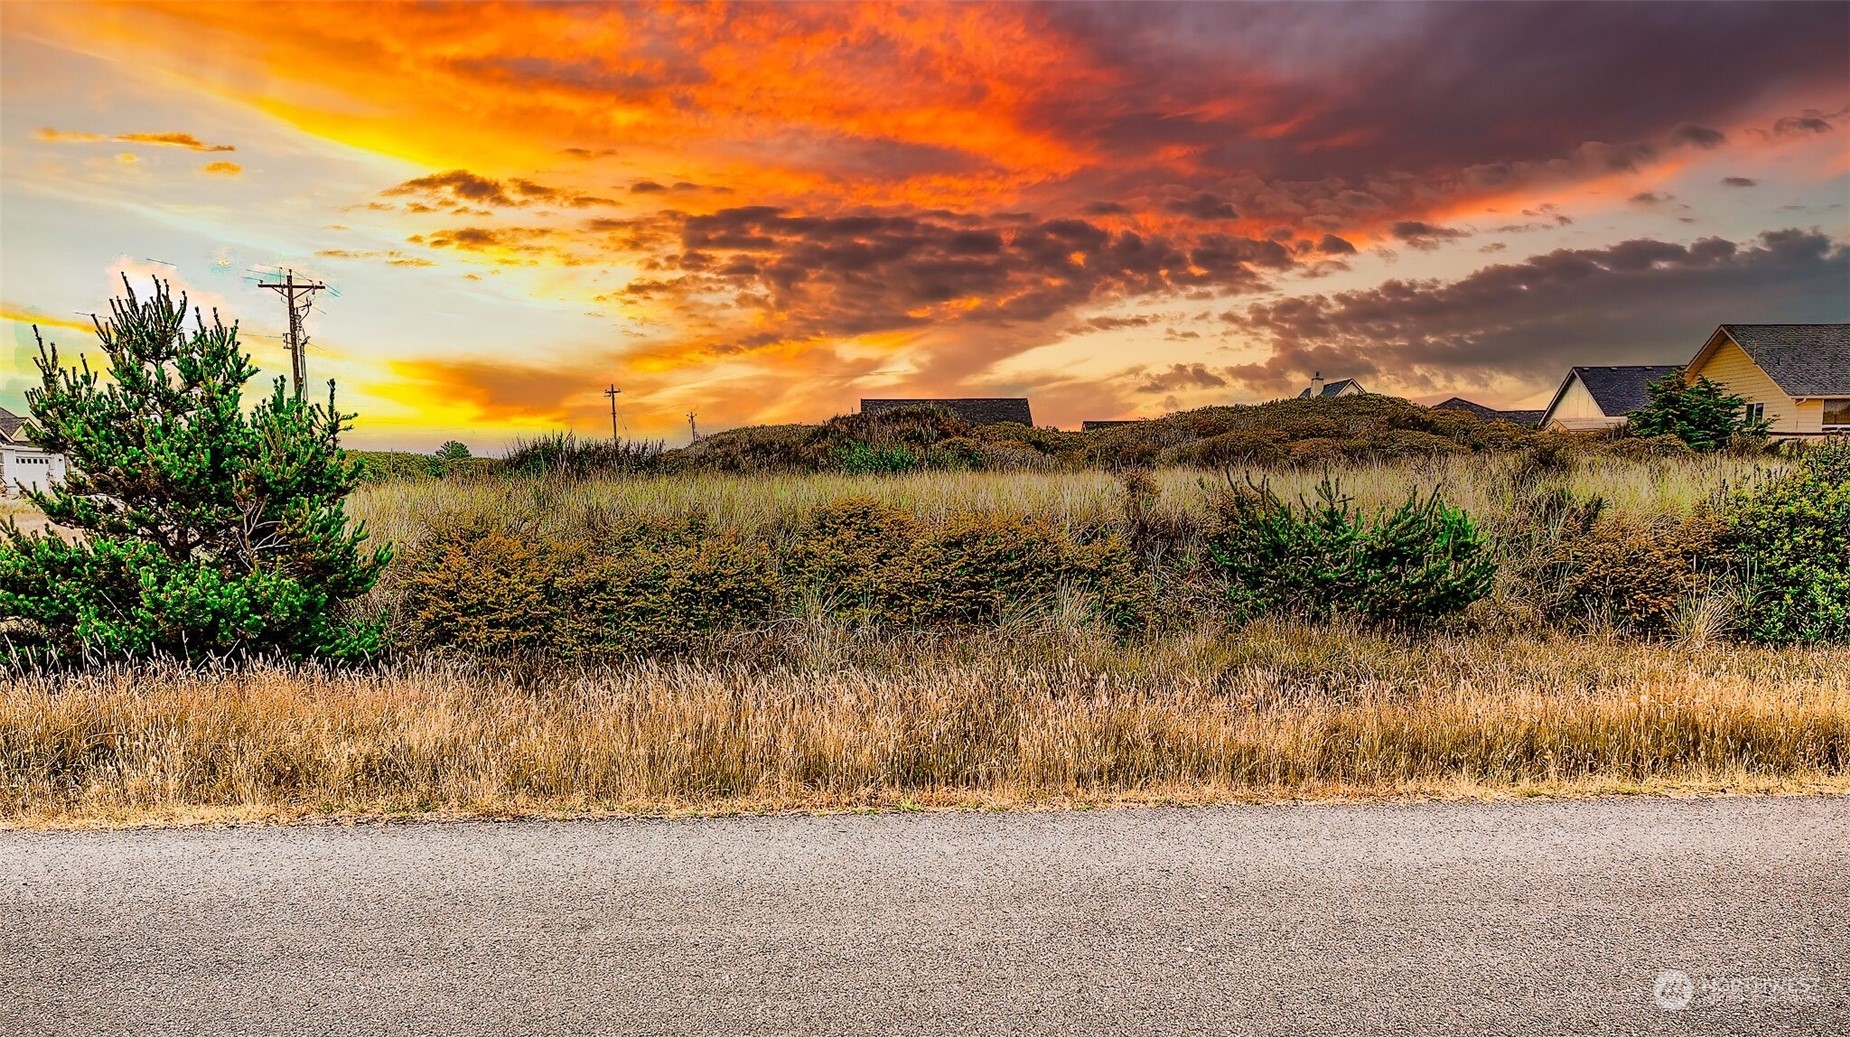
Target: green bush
[(977, 568), (857, 458), (208, 530), (658, 586), (482, 586), (846, 553), (1416, 564), (1792, 533), (648, 586), (871, 561), (564, 455), (1703, 414)]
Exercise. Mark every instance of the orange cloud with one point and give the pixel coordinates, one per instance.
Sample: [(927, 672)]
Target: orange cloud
[(222, 169), (932, 191), (57, 136), (172, 140)]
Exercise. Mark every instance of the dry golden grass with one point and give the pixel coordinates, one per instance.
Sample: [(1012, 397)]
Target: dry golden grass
[(401, 511), (824, 717)]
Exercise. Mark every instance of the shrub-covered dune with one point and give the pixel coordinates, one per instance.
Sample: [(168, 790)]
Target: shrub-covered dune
[(1307, 432)]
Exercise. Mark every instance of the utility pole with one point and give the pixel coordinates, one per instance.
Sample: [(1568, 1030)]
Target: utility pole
[(692, 430), (612, 393), (299, 296)]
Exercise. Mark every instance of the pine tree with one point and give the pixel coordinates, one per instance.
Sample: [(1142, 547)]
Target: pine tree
[(201, 530), (1704, 415)]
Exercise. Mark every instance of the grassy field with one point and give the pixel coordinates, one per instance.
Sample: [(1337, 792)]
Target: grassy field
[(1047, 708), (834, 718), (1481, 484)]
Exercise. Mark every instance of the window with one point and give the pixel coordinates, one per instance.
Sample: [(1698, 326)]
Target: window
[(1756, 413), (1837, 414)]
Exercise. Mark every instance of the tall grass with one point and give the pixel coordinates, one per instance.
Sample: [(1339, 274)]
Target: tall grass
[(1481, 484), (810, 716)]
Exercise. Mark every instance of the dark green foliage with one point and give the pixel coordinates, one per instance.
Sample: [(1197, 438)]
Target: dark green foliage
[(452, 451), (657, 585), (204, 531), (481, 585), (387, 465), (1703, 415), (846, 553), (900, 440), (858, 458), (564, 455), (1416, 564), (638, 588), (1792, 533)]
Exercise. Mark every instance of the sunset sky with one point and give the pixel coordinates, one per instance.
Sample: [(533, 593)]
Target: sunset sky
[(763, 212)]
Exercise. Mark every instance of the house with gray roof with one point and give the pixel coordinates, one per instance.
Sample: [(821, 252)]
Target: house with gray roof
[(24, 463), (1340, 387), (976, 411), (1527, 418), (1601, 397), (1795, 377)]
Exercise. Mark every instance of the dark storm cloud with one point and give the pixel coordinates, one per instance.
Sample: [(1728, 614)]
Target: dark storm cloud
[(1203, 206), (1801, 125), (1425, 236), (1640, 301), (1335, 119), (856, 274), (1698, 136)]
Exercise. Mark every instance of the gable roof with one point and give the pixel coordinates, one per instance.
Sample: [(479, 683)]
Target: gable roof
[(11, 427), (976, 410), (1520, 417), (1460, 403), (1804, 360), (1334, 388), (1617, 390)]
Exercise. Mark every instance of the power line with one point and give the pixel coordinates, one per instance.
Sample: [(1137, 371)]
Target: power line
[(299, 296)]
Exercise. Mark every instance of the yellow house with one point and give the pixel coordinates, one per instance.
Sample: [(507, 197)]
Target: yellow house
[(1795, 376)]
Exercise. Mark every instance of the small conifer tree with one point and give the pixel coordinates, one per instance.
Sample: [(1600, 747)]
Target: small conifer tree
[(196, 529), (1703, 414)]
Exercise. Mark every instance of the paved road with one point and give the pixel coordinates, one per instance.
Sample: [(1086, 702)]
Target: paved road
[(1437, 918)]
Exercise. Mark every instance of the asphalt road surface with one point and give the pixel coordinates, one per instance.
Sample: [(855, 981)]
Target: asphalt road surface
[(1615, 916)]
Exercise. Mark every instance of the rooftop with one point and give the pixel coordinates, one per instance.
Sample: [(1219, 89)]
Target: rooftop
[(1804, 360)]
